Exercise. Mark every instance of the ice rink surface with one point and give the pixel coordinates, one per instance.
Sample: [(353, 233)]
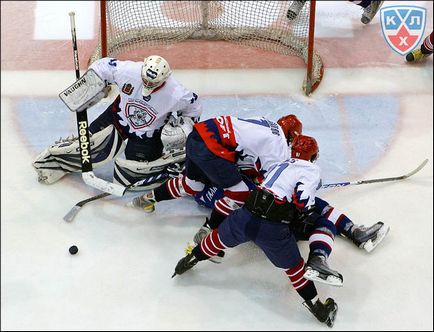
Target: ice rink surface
[(372, 116)]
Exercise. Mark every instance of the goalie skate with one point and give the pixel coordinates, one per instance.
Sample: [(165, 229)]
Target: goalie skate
[(317, 270), (369, 238)]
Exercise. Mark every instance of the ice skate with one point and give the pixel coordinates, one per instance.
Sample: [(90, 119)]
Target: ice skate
[(368, 238), (198, 237), (416, 56), (317, 270), (145, 202), (370, 11), (201, 233), (294, 9), (324, 312), (185, 264)]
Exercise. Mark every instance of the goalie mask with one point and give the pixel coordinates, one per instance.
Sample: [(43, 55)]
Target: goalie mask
[(305, 147), (155, 71), (291, 126)]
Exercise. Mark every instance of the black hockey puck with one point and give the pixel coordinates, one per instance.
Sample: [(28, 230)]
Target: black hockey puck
[(73, 250)]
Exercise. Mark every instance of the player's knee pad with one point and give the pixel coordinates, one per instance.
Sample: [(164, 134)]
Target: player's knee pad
[(64, 156), (147, 173)]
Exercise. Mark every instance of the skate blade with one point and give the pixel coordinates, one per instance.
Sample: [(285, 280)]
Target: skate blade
[(146, 210), (318, 277), (381, 234), (331, 319), (217, 259)]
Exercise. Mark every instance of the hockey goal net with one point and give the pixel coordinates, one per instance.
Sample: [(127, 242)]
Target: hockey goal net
[(129, 25)]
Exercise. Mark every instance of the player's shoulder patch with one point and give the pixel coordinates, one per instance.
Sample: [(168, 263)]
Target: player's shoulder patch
[(127, 88)]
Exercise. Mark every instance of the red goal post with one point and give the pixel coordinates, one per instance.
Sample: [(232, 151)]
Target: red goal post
[(129, 25)]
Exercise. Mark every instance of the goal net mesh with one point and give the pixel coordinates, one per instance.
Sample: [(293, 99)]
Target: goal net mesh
[(262, 24)]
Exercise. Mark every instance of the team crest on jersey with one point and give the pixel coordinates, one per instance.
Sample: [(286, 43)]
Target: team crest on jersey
[(127, 89), (140, 115), (403, 27)]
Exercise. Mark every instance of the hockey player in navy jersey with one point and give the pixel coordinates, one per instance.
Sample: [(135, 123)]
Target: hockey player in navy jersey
[(153, 114), (286, 194)]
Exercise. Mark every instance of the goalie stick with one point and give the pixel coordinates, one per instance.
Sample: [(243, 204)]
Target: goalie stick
[(402, 177), (83, 133), (171, 154)]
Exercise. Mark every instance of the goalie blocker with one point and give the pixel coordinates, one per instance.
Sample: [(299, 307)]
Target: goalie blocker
[(88, 90)]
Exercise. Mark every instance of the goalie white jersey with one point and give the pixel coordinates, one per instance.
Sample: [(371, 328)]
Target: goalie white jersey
[(143, 115)]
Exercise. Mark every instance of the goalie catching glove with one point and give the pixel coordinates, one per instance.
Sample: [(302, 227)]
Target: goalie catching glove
[(175, 132)]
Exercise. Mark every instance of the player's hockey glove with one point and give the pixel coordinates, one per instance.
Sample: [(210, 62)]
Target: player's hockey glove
[(303, 223)]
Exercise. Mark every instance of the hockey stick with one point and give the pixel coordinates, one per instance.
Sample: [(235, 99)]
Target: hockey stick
[(73, 212), (76, 208), (395, 178), (83, 133)]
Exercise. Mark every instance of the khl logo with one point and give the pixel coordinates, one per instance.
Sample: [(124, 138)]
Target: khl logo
[(403, 27)]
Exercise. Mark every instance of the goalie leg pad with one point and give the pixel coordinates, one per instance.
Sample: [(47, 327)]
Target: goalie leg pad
[(63, 157), (128, 172)]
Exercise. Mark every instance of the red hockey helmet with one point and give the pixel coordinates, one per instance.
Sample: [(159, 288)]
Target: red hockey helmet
[(305, 147), (291, 126)]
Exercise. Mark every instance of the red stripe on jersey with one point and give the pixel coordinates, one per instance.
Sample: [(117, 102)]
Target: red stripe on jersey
[(223, 146), (428, 42), (187, 188), (224, 124), (238, 196), (231, 201), (222, 207), (211, 244), (341, 217), (329, 212), (173, 187), (321, 242), (303, 282), (295, 273)]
